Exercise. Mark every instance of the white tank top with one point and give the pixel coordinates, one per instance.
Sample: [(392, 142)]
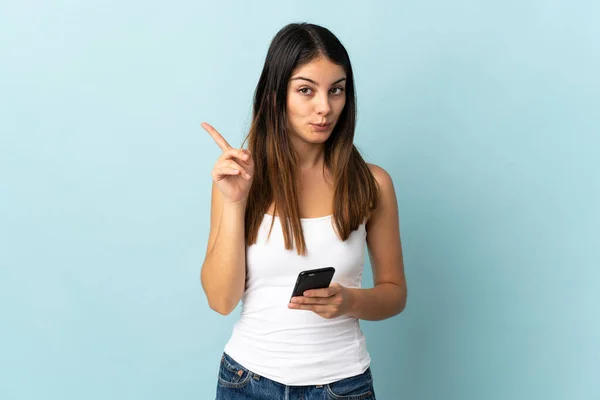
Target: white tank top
[(298, 347)]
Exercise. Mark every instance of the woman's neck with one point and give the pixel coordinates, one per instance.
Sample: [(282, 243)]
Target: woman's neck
[(310, 156)]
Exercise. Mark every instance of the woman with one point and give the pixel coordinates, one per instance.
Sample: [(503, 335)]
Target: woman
[(301, 197)]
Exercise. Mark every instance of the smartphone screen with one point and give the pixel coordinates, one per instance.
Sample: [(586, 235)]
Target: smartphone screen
[(313, 279)]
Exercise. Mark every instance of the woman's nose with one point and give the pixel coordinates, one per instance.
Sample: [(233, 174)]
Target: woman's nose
[(322, 106)]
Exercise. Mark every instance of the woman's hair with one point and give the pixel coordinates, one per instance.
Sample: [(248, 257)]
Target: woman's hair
[(276, 172)]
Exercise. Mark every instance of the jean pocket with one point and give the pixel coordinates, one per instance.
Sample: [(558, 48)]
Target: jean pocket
[(359, 387), (232, 374)]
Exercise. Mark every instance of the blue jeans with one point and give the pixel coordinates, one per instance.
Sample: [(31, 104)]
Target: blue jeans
[(238, 383)]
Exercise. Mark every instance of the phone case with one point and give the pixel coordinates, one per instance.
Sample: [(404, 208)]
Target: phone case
[(318, 278)]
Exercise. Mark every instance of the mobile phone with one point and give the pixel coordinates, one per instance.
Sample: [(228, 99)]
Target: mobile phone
[(318, 278)]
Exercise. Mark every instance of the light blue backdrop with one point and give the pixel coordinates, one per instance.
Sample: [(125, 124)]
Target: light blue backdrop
[(486, 114)]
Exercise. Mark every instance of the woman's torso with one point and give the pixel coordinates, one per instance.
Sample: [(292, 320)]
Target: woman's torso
[(299, 347)]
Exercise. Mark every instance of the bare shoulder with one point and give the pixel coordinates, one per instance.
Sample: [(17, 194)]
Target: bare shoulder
[(381, 175), (386, 193)]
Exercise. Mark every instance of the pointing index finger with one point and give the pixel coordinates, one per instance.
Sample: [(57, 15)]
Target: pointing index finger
[(220, 140)]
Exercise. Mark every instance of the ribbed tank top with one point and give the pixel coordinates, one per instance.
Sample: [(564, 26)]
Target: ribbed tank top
[(298, 347)]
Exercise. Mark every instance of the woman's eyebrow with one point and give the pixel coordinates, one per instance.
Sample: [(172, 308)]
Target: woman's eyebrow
[(315, 83)]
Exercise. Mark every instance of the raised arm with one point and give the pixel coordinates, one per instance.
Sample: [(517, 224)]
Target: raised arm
[(223, 273)]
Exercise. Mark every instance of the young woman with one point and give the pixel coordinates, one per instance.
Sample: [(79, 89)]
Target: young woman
[(301, 197)]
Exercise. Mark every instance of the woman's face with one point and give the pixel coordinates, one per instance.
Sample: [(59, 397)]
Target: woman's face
[(316, 95)]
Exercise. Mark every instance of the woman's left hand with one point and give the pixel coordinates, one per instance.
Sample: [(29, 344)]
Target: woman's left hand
[(331, 302)]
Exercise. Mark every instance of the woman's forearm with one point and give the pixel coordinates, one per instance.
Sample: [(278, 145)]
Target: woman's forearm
[(383, 301), (224, 268)]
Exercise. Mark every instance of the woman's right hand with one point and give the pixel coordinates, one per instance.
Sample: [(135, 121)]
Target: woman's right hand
[(233, 171)]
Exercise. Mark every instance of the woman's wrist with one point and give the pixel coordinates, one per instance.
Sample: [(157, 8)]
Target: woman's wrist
[(354, 296)]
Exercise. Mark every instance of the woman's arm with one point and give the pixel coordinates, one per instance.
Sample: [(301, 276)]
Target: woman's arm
[(223, 273), (388, 296)]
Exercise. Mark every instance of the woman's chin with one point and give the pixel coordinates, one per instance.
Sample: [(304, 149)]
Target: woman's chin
[(316, 136), (317, 139)]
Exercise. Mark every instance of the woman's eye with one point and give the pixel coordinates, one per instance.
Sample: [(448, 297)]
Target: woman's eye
[(306, 90)]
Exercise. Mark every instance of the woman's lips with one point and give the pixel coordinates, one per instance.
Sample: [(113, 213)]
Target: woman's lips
[(321, 128)]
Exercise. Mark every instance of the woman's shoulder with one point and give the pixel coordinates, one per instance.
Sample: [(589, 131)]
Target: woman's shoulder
[(384, 183), (381, 175)]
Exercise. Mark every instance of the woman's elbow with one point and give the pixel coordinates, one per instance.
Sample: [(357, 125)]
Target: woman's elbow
[(221, 307)]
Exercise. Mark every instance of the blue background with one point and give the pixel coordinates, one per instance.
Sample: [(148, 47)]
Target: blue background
[(486, 115)]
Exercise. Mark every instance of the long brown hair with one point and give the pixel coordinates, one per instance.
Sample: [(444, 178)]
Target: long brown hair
[(276, 165)]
